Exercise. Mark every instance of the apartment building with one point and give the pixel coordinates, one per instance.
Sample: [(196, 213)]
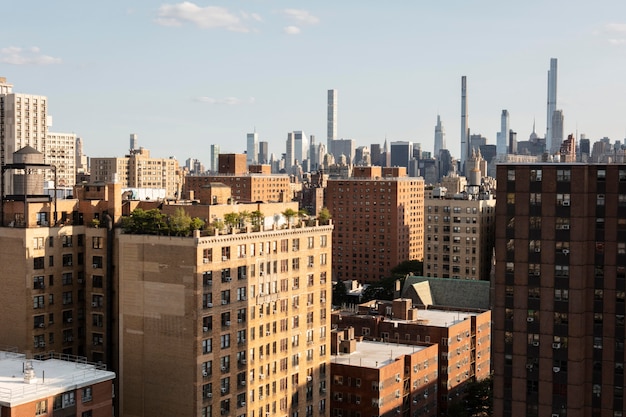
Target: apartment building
[(459, 236), (379, 222), (381, 379), (56, 277), (61, 152), (139, 170), (462, 335), (560, 281), (246, 186), (235, 324), (54, 384)]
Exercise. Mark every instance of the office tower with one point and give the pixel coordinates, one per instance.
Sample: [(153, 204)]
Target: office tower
[(464, 123), (61, 152), (440, 137), (252, 148), (367, 246), (226, 324), (54, 384), (139, 170), (376, 152), (133, 142), (585, 148), (560, 280), (344, 147), (301, 146), (551, 107), (362, 156), (215, 152), (290, 151), (567, 153), (331, 120), (401, 154), (445, 164), (512, 142), (557, 131), (503, 134), (263, 152), (451, 314)]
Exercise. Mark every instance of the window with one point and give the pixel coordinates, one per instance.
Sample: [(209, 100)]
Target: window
[(563, 175), (511, 174), (86, 394), (38, 262), (96, 242), (96, 281), (41, 407), (38, 282)]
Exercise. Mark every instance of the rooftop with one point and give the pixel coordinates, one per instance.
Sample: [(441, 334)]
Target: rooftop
[(375, 355), (54, 374)]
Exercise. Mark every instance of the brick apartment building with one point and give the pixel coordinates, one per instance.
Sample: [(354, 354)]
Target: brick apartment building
[(560, 281), (379, 222)]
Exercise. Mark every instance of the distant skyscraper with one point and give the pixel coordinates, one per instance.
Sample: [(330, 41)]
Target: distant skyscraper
[(512, 142), (301, 142), (263, 157), (440, 137), (133, 142), (332, 118), (503, 135), (552, 80), (290, 151), (464, 122), (401, 154), (252, 148), (376, 152), (215, 156), (557, 131)]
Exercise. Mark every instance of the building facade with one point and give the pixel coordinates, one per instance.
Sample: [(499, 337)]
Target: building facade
[(379, 222), (560, 281), (238, 324), (61, 152)]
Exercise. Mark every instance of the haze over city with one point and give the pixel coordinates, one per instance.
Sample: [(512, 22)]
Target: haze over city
[(186, 75)]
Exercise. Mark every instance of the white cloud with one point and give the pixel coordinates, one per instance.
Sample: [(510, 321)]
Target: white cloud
[(615, 27), (32, 56), (210, 17), (301, 16), (617, 41), (291, 30), (226, 100)]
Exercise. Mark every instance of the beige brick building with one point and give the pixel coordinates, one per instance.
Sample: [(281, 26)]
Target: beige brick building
[(236, 324)]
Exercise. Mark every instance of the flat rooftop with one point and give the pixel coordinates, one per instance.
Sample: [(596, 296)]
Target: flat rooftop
[(54, 375), (375, 354), (440, 318)]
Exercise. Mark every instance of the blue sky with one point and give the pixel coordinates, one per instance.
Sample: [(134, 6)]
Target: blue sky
[(188, 74)]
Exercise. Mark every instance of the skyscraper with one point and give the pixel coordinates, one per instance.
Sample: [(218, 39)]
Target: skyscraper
[(440, 137), (464, 122), (332, 119), (557, 131), (215, 153), (263, 157), (290, 151), (301, 142), (252, 148), (552, 79), (401, 154), (503, 135)]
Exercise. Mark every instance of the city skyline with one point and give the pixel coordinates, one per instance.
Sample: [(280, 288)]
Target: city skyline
[(185, 73)]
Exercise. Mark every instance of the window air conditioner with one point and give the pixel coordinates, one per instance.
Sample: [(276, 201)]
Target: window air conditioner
[(530, 319), (69, 320), (42, 325), (566, 203), (205, 373), (223, 369), (535, 344), (209, 305), (205, 329), (556, 346), (556, 369)]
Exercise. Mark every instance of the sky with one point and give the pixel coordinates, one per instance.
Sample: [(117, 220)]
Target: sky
[(185, 75)]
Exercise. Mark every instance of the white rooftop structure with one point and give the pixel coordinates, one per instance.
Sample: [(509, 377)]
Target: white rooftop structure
[(375, 354), (53, 374)]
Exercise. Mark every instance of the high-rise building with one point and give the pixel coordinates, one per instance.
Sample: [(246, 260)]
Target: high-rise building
[(401, 154), (290, 151), (61, 152), (557, 131), (551, 106), (440, 137), (464, 123), (301, 146), (139, 170), (252, 148), (345, 148), (215, 161), (560, 282), (263, 152), (512, 142), (331, 120), (503, 134), (226, 324), (379, 222)]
